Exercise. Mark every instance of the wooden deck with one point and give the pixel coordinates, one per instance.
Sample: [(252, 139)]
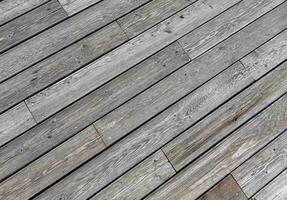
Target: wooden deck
[(143, 99)]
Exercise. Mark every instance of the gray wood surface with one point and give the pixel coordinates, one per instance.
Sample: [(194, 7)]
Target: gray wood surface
[(276, 190), (123, 155), (29, 24), (11, 9), (150, 14), (210, 168), (127, 117), (14, 122), (220, 123), (140, 180), (62, 35), (52, 166), (226, 189), (134, 51), (59, 65), (74, 6), (212, 33), (76, 117)]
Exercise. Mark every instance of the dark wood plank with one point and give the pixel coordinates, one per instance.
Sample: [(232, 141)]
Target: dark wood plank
[(140, 180), (219, 124), (74, 6), (127, 55), (59, 65), (29, 24), (52, 166), (227, 189), (62, 35), (146, 105), (14, 122), (73, 119), (11, 9), (222, 159)]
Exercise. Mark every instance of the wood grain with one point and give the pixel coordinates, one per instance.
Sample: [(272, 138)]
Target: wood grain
[(122, 156), (223, 158), (276, 190), (62, 35), (188, 78), (229, 22), (76, 117), (150, 14), (140, 180), (29, 24), (59, 65), (74, 6), (14, 122), (11, 9), (226, 189), (127, 55), (52, 166)]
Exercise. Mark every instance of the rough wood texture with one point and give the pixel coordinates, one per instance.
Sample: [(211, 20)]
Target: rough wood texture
[(150, 14), (62, 35), (74, 6), (140, 180), (220, 123), (14, 122), (168, 91), (76, 117), (11, 9), (263, 166), (134, 51), (227, 189), (29, 24), (58, 66), (200, 175), (120, 157), (276, 190), (52, 166), (212, 33)]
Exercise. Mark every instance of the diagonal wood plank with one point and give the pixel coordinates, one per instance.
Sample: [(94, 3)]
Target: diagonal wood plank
[(74, 118), (47, 169), (11, 9), (30, 24), (188, 78), (276, 190), (59, 65), (62, 35), (74, 6), (140, 180), (219, 124), (14, 121), (127, 55), (261, 168), (219, 161)]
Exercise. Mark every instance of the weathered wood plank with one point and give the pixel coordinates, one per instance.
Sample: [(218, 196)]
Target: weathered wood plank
[(276, 190), (14, 122), (262, 167), (227, 189), (122, 156), (52, 166), (210, 34), (168, 91), (219, 161), (62, 35), (140, 180), (59, 65), (84, 112), (219, 124), (11, 9), (150, 14), (99, 72), (29, 24), (74, 6)]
